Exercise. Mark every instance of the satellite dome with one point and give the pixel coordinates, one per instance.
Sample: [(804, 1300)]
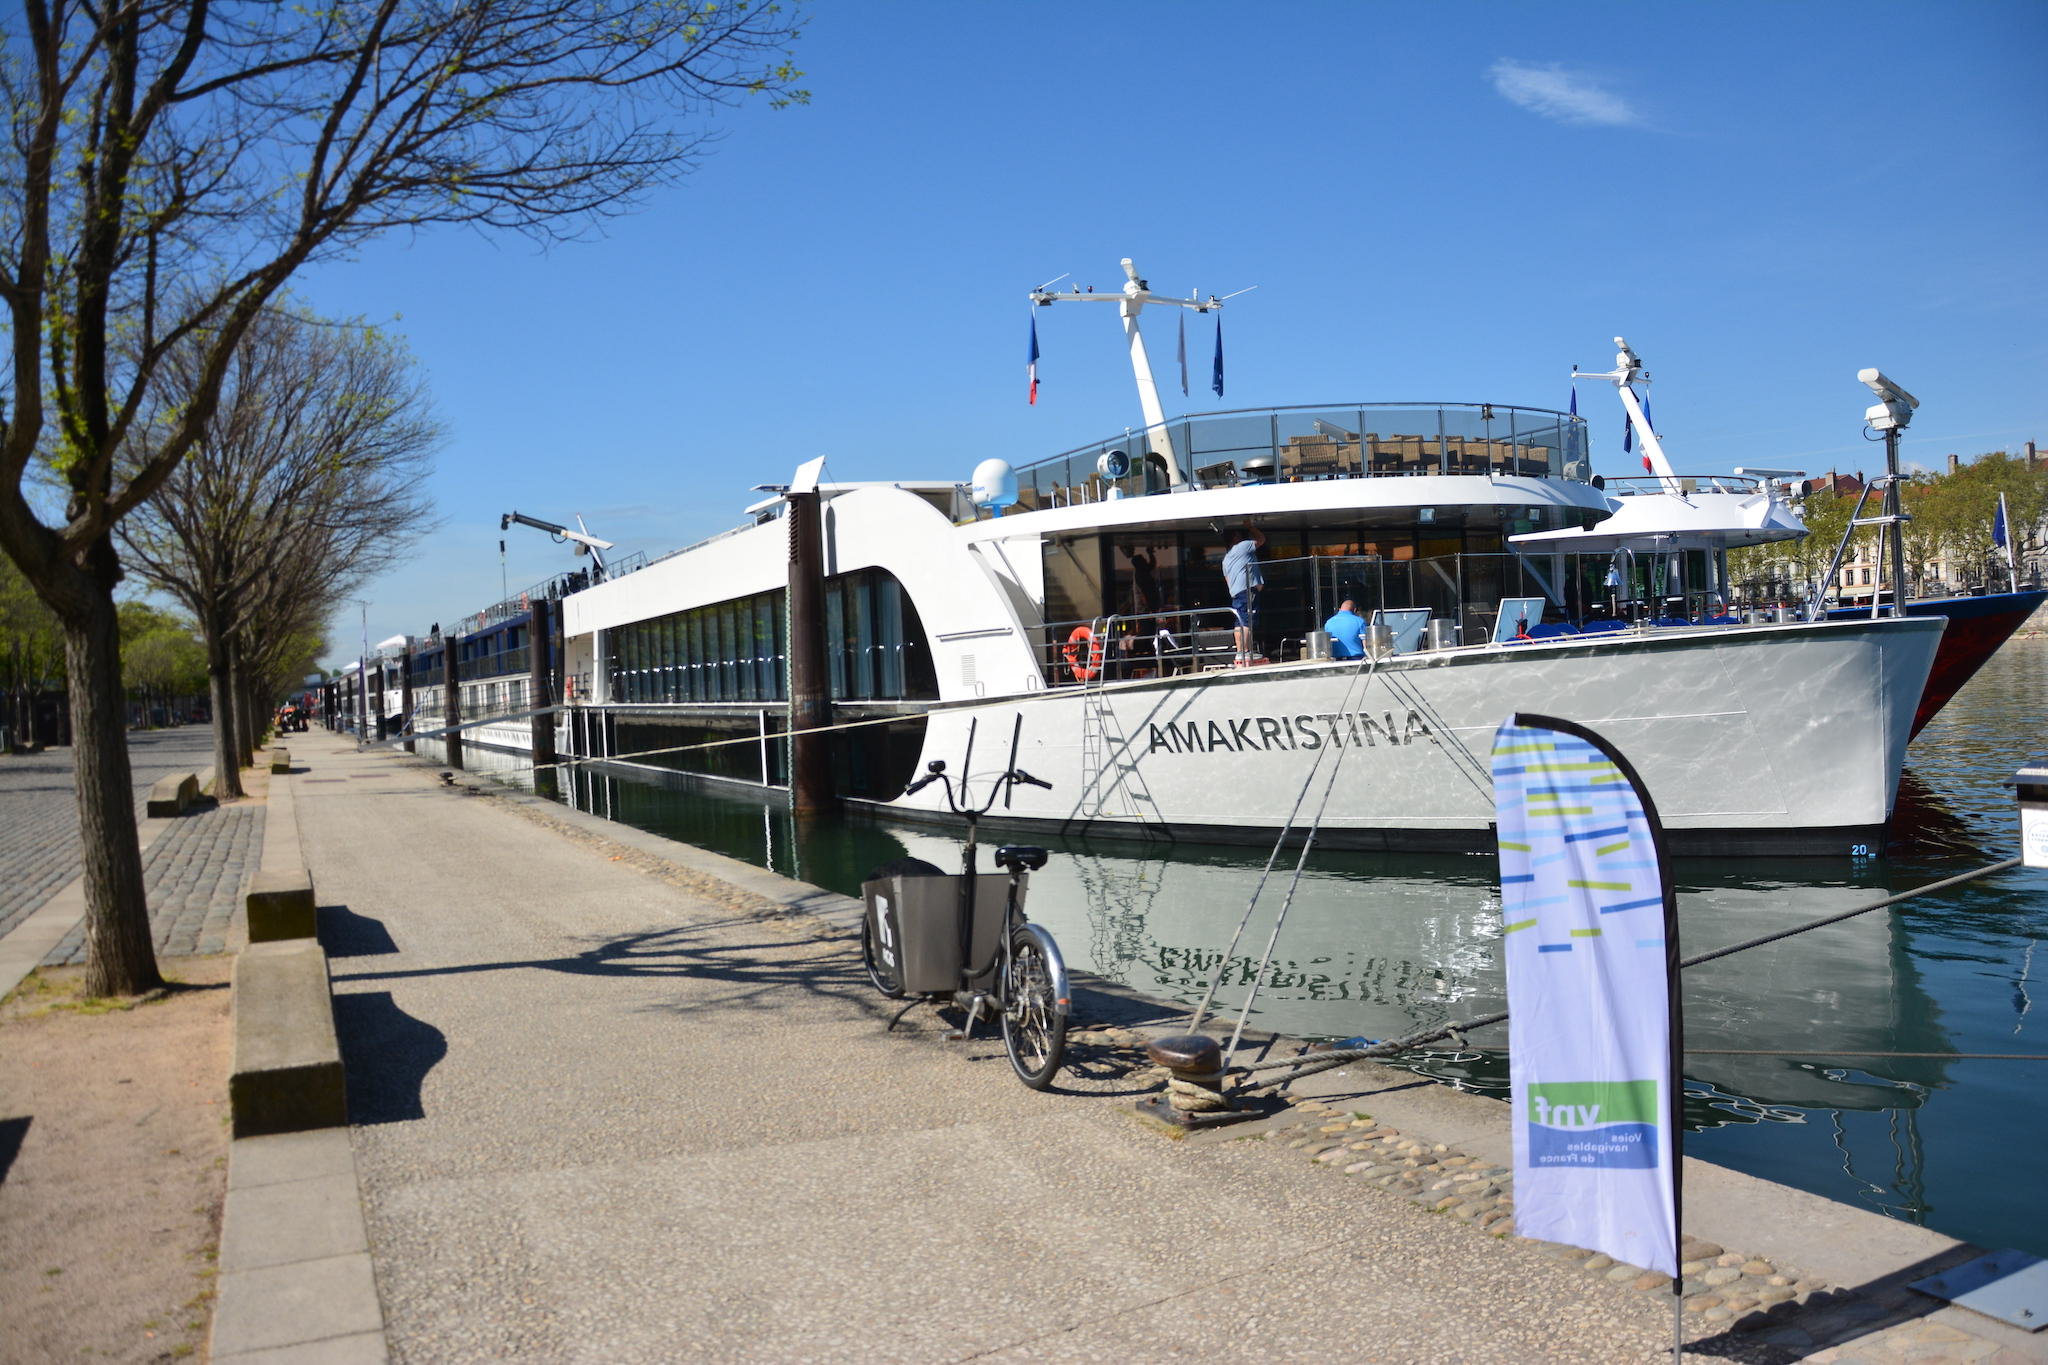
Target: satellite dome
[(994, 485)]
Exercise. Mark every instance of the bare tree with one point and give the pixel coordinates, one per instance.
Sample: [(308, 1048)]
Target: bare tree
[(305, 482), (171, 164)]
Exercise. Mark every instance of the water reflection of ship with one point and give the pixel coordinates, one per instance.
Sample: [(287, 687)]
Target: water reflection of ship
[(1379, 945), (1925, 824), (1848, 988)]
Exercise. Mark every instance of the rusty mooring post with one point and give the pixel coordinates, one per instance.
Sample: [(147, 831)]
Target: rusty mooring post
[(451, 701), (541, 692), (405, 720), (811, 788)]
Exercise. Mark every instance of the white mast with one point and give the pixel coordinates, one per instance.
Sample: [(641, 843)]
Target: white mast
[(1136, 294), (1628, 370)]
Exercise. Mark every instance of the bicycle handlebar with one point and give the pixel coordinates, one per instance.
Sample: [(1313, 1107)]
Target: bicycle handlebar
[(1012, 777)]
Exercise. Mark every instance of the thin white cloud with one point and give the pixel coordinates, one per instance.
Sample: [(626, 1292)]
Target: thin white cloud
[(1558, 93)]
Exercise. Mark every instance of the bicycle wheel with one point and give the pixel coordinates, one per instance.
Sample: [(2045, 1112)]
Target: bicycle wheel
[(881, 975), (1034, 1017)]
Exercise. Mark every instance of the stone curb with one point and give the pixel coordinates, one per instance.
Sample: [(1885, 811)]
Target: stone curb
[(296, 1282)]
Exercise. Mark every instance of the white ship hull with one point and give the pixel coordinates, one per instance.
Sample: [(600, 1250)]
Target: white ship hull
[(1785, 739)]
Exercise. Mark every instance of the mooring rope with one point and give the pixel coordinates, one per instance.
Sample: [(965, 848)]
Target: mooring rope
[(1201, 1009), (1309, 1065), (1294, 883)]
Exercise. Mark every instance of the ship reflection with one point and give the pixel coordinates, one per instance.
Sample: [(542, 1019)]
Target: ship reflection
[(1379, 945)]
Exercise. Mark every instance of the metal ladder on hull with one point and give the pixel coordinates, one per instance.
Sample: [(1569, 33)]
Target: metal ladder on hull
[(1112, 788)]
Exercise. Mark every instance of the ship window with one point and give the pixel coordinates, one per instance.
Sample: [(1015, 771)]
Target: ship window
[(875, 645)]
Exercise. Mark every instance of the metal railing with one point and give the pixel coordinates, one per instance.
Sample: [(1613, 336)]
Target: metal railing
[(1296, 444), (1149, 644)]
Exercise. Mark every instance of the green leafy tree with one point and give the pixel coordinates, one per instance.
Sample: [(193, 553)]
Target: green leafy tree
[(31, 653), (161, 656), (171, 164)]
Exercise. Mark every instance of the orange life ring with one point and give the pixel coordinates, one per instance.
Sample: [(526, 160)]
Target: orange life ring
[(1074, 650)]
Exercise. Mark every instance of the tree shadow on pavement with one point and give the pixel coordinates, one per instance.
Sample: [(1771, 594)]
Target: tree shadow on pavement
[(12, 1131), (754, 970), (344, 933), (385, 1057)]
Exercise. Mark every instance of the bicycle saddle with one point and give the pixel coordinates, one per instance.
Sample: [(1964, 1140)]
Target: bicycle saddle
[(1020, 857)]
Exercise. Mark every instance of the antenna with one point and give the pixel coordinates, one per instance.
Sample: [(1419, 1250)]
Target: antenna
[(1132, 300)]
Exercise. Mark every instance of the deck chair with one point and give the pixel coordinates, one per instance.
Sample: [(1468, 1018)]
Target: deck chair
[(1517, 616), (1407, 625)]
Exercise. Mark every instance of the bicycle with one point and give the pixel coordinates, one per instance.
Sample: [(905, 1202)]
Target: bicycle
[(1007, 966)]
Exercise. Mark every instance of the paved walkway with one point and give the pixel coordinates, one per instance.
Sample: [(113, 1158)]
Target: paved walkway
[(608, 1108), (39, 811), (196, 868)]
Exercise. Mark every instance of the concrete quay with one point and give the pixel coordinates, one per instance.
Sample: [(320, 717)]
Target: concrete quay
[(614, 1099)]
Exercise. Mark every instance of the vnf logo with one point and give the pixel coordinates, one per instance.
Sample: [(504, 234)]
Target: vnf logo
[(1611, 1124)]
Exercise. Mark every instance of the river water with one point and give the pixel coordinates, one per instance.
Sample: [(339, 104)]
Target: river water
[(1380, 945)]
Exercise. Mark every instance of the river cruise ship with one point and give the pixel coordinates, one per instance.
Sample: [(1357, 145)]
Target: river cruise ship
[(1072, 617)]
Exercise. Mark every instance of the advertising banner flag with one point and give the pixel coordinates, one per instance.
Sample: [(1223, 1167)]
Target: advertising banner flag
[(1594, 1032)]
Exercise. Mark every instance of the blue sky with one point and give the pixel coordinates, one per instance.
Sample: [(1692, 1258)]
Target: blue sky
[(1436, 202)]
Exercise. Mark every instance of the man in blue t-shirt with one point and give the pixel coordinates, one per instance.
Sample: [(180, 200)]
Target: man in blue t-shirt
[(1241, 573), (1344, 630)]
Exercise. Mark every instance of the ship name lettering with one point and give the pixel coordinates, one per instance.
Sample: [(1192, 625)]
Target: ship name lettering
[(1270, 733)]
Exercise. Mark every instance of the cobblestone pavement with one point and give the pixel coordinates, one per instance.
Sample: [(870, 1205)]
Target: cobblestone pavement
[(197, 874), (39, 814)]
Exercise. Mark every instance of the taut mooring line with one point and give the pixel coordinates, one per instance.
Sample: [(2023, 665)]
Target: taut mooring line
[(1325, 1061)]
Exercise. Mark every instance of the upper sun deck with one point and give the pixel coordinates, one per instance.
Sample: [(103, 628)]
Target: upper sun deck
[(1317, 442)]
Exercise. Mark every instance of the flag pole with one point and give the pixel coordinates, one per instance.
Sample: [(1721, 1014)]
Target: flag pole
[(2012, 572)]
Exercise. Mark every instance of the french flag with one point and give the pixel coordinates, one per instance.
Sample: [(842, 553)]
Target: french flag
[(1031, 367)]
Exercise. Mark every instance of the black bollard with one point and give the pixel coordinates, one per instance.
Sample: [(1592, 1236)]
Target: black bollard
[(1194, 1095)]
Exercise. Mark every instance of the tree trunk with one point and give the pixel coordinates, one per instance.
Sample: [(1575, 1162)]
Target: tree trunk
[(119, 959), (245, 724), (227, 768)]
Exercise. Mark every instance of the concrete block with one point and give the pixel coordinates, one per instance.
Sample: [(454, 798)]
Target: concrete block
[(280, 760), (280, 906), (286, 1075), (170, 794)]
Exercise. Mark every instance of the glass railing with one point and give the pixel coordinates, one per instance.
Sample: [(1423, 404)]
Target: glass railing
[(1638, 485), (1551, 596), (1297, 444)]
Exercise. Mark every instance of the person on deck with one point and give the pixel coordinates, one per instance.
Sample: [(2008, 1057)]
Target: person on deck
[(1345, 629), (1241, 574)]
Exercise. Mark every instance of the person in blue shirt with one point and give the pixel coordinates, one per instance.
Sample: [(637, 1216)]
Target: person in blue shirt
[(1241, 574), (1344, 630)]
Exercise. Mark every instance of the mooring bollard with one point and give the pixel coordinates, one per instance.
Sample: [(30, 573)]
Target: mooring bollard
[(1194, 1065), (1194, 1095)]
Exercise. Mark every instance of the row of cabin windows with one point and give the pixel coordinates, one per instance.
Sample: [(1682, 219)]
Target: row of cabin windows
[(494, 655), (737, 651), (728, 652)]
